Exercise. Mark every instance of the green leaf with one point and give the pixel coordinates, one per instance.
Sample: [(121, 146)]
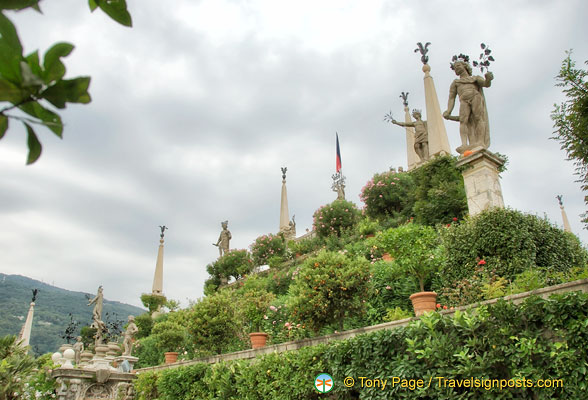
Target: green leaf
[(10, 92), (49, 118), (68, 91), (34, 145), (54, 68), (92, 5), (19, 4), (3, 125), (10, 51), (117, 10), (33, 61)]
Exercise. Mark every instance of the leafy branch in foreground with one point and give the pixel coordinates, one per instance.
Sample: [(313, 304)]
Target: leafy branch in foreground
[(28, 83), (570, 119)]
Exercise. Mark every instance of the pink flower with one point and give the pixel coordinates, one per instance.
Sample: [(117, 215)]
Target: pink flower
[(438, 305), (273, 308), (388, 287), (265, 317), (481, 262), (445, 307)]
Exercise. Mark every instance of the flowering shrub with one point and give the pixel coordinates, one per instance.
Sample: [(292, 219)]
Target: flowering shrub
[(266, 247), (280, 325), (335, 218), (388, 195), (328, 288)]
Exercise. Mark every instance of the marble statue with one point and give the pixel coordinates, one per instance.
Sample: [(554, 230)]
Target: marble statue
[(421, 135), (474, 129), (97, 301), (290, 231), (128, 338), (223, 239), (101, 329), (78, 347)]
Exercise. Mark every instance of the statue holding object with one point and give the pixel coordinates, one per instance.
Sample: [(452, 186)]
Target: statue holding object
[(223, 239), (474, 129), (421, 135)]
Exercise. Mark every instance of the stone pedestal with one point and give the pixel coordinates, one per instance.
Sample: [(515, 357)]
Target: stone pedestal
[(83, 384), (125, 363), (481, 180)]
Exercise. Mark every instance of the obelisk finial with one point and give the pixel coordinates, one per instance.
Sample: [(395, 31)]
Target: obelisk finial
[(423, 50)]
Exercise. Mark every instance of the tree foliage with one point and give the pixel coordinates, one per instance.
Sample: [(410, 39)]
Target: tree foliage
[(570, 118), (328, 288), (31, 84)]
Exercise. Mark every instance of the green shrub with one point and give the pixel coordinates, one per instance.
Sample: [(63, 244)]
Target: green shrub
[(148, 353), (396, 313), (439, 192), (214, 325), (145, 323), (415, 248), (169, 336), (153, 302), (390, 196), (511, 242), (328, 288), (484, 284), (538, 339), (253, 306), (305, 246), (266, 247), (391, 288), (368, 226), (236, 264), (336, 218)]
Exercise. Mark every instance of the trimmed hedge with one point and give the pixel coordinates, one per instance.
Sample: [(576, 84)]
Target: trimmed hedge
[(539, 339)]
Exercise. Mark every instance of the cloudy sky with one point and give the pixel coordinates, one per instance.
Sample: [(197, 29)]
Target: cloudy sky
[(195, 109)]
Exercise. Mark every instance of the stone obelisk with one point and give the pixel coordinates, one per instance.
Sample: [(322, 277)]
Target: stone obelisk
[(438, 141), (412, 158), (564, 216), (284, 215), (25, 333), (158, 277)]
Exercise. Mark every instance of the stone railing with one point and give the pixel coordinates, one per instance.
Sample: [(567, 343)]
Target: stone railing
[(579, 285)]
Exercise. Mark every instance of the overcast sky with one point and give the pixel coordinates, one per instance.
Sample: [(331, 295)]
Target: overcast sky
[(195, 109)]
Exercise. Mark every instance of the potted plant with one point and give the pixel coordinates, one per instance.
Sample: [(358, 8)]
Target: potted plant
[(416, 249), (169, 337), (255, 309)]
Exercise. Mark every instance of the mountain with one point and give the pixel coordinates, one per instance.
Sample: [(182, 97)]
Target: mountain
[(52, 308)]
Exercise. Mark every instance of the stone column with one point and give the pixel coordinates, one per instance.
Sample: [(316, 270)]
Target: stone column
[(438, 141), (25, 333), (412, 158), (284, 215), (158, 277), (566, 222), (481, 180)]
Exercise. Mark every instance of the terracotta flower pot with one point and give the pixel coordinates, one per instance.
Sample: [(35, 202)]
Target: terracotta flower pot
[(387, 257), (171, 357), (258, 339), (423, 302)]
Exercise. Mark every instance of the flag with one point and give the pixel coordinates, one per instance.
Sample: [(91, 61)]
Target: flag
[(338, 161)]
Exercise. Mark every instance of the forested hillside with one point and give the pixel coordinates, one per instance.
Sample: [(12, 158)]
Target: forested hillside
[(52, 311)]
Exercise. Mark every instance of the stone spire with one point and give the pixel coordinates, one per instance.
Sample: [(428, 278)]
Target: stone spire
[(158, 277), (25, 333), (438, 141), (284, 215), (564, 216), (411, 156)]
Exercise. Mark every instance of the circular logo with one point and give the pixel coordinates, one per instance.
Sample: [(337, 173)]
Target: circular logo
[(323, 383)]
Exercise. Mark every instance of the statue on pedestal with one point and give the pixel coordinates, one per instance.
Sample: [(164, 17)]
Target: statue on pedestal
[(223, 239), (129, 333), (421, 134), (97, 322), (474, 129), (78, 347)]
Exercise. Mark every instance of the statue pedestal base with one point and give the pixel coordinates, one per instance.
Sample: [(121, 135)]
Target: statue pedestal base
[(125, 363), (481, 180)]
